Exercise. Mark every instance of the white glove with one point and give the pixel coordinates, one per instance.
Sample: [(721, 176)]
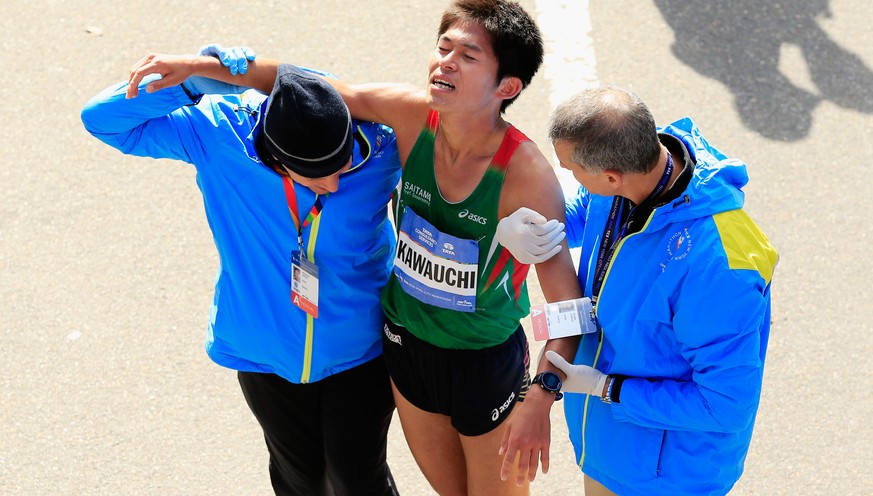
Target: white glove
[(527, 235), (580, 378)]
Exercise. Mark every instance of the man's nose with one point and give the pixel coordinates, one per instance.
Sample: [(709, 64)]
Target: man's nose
[(331, 183), (449, 61)]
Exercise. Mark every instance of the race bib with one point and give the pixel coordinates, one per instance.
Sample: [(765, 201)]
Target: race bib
[(434, 267)]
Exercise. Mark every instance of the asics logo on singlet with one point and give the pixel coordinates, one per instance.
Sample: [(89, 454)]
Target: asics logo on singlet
[(466, 214), (394, 338), (495, 414)]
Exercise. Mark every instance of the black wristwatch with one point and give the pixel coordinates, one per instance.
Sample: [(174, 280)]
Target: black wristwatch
[(551, 382)]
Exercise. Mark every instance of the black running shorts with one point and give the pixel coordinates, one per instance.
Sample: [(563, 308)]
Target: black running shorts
[(476, 388)]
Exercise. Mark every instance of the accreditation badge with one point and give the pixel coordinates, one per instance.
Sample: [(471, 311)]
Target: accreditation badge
[(304, 284), (561, 319), (434, 267)]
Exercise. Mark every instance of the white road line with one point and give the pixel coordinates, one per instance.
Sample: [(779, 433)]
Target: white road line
[(569, 64)]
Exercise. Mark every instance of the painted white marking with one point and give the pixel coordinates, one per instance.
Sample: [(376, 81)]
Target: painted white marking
[(569, 64)]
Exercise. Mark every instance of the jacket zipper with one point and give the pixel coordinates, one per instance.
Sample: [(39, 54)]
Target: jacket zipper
[(310, 322), (600, 341)]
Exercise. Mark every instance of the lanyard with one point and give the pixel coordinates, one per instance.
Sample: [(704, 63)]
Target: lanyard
[(607, 243), (291, 198)]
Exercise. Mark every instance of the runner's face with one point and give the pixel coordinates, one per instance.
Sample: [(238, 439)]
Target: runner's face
[(463, 70), (595, 183)]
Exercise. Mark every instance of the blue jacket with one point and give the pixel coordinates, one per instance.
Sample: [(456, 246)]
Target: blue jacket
[(253, 326), (684, 312)]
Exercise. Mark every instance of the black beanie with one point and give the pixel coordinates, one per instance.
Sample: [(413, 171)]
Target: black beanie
[(307, 126)]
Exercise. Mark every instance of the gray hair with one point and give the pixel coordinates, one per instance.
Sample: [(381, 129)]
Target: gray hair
[(608, 128)]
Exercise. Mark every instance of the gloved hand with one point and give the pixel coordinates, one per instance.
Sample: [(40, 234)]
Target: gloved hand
[(580, 378), (527, 235), (236, 59), (238, 56)]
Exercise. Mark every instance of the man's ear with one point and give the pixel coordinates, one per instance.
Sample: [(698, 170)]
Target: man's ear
[(614, 178), (509, 87)]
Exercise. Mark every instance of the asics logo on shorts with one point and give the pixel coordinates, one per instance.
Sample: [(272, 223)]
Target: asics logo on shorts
[(495, 414), (394, 338)]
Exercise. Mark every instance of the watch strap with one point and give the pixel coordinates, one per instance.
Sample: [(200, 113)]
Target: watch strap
[(612, 389)]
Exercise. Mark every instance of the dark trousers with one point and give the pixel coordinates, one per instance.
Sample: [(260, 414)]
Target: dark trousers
[(328, 437)]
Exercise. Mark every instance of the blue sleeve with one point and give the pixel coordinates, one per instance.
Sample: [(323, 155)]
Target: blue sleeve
[(157, 125), (576, 209), (722, 323)]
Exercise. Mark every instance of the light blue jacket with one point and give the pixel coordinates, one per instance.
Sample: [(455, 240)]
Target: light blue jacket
[(253, 325), (685, 314)]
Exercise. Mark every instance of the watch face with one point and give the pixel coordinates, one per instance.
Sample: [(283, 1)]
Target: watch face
[(550, 381)]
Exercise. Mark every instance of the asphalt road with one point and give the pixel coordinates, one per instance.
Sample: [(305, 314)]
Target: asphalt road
[(107, 264)]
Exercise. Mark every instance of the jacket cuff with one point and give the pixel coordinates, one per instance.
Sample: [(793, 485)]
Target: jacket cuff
[(618, 407), (195, 99)]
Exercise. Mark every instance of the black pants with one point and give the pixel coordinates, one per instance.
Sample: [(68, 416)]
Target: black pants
[(328, 437)]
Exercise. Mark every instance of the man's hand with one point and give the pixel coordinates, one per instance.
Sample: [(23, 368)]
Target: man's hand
[(580, 378), (529, 237), (527, 437), (238, 56), (236, 59), (181, 69), (173, 69)]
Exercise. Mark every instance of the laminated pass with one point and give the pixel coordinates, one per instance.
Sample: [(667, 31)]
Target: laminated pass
[(561, 319)]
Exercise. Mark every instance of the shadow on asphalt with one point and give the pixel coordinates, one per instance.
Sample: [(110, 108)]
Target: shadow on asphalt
[(739, 42)]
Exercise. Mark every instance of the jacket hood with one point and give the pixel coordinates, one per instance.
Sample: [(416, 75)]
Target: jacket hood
[(716, 185)]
